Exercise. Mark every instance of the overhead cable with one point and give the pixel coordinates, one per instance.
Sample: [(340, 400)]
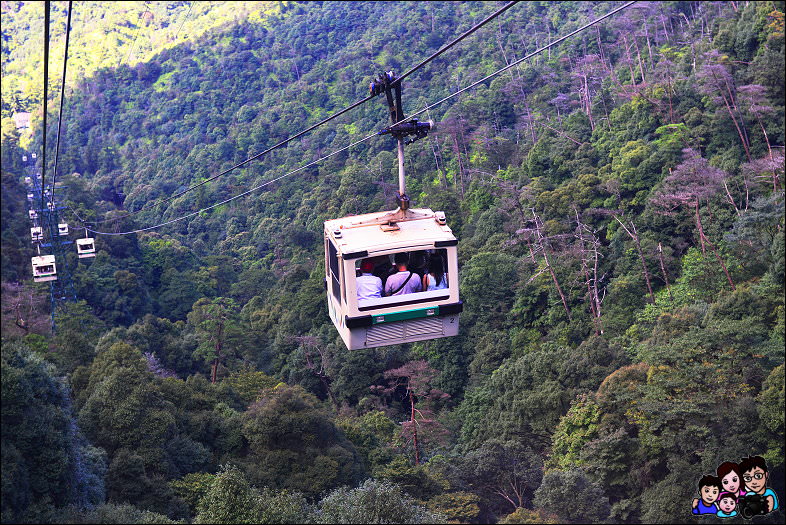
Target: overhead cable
[(457, 40), (266, 183), (136, 35), (536, 52), (320, 123), (516, 62), (46, 94), (62, 98)]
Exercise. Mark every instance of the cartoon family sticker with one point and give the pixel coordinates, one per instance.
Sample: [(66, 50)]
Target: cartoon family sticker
[(736, 490)]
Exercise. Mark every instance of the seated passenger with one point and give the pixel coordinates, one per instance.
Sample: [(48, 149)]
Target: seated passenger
[(369, 286), (435, 279), (418, 263), (382, 267), (403, 281)]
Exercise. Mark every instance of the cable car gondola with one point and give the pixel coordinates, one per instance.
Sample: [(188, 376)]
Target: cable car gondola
[(36, 234), (62, 229), (44, 268), (376, 239), (33, 214), (395, 319), (86, 247)]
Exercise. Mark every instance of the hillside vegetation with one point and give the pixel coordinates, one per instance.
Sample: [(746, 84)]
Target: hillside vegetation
[(619, 203)]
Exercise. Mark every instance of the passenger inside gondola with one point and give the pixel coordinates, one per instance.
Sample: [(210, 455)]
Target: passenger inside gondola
[(403, 281), (436, 278), (369, 286)]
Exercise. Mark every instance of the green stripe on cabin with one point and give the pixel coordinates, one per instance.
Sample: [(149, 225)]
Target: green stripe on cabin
[(431, 311)]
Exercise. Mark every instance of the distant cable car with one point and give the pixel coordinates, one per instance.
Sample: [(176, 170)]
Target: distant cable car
[(62, 228), (24, 158), (366, 323), (376, 240), (30, 197), (50, 205), (86, 247), (36, 234), (34, 155), (44, 268), (33, 215), (28, 181)]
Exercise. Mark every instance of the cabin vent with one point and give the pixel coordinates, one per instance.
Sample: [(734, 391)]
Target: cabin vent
[(396, 332), (430, 326)]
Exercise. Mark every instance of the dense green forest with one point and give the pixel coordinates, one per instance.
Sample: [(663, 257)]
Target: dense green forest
[(619, 205)]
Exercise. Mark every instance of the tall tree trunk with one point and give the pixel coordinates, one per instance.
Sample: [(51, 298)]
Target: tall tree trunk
[(635, 236), (548, 265), (414, 427), (663, 271), (214, 367), (731, 114)]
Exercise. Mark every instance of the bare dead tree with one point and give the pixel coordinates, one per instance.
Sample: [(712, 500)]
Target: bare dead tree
[(631, 231), (663, 271), (541, 244), (586, 236), (690, 183), (309, 343), (716, 80)]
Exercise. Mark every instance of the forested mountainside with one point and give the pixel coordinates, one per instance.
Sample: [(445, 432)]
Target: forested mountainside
[(619, 205)]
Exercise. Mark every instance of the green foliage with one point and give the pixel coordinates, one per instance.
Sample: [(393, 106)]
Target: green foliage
[(598, 123), (230, 499), (459, 507), (191, 488), (293, 443), (770, 406), (114, 513), (574, 430), (523, 515), (573, 497), (46, 462), (373, 502)]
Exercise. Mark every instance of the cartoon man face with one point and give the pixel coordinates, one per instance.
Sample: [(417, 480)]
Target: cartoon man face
[(727, 503), (731, 482), (755, 479), (709, 493)]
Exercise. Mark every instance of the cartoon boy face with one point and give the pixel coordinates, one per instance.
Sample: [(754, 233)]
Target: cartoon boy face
[(731, 482), (755, 479), (709, 493), (727, 503)]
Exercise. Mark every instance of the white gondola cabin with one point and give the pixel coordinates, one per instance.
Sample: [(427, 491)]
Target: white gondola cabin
[(50, 205), (28, 181), (44, 268), (86, 247), (30, 197), (367, 323), (33, 215), (62, 229), (36, 234)]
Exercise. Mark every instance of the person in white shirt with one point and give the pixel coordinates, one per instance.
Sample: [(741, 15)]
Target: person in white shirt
[(369, 286)]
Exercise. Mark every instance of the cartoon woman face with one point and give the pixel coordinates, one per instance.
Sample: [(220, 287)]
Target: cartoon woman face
[(731, 482), (727, 504)]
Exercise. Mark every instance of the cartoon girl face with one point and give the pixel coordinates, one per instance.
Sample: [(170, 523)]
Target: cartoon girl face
[(731, 482), (727, 504)]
